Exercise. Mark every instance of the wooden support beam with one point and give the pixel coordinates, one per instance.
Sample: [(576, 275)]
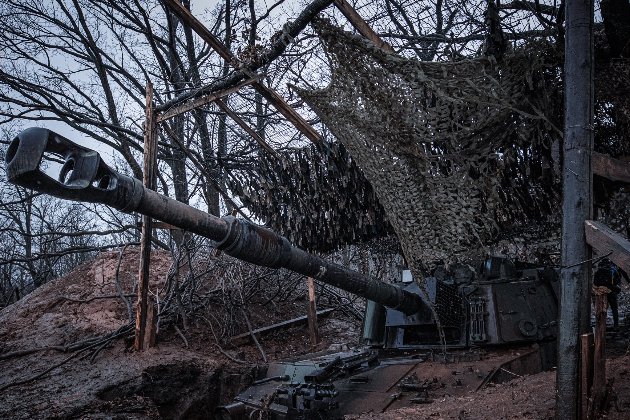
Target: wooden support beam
[(362, 26), (599, 356), (184, 14), (261, 142), (611, 168), (203, 100), (272, 97), (143, 330), (312, 314), (606, 240), (276, 48), (288, 112), (586, 373), (284, 324), (150, 333), (577, 202)]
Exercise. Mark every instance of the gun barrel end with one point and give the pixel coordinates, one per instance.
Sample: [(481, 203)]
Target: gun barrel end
[(25, 153), (83, 175)]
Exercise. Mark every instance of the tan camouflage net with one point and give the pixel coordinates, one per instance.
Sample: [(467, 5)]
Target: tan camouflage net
[(454, 150)]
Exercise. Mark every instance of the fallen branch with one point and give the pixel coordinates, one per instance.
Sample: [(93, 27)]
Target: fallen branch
[(232, 358), (218, 346), (179, 332), (119, 332), (64, 349), (251, 332), (95, 298), (19, 353)]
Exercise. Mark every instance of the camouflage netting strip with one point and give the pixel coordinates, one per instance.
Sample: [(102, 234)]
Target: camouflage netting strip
[(315, 196), (454, 150)]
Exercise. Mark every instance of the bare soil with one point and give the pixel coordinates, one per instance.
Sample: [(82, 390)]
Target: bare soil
[(175, 380)]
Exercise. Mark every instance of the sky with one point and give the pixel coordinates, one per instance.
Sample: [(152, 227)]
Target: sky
[(200, 9)]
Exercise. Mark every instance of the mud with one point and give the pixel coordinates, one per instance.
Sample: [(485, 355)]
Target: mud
[(175, 380)]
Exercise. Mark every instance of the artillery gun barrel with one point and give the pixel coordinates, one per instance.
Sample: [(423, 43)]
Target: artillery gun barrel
[(85, 177)]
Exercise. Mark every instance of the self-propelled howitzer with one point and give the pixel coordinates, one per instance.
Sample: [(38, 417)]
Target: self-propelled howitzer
[(496, 303), (85, 177)]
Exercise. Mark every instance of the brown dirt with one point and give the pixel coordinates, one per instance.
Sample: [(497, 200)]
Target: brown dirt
[(174, 381), (530, 397), (169, 381)]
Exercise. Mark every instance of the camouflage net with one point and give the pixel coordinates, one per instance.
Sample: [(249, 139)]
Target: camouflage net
[(462, 155), (455, 150), (316, 196)]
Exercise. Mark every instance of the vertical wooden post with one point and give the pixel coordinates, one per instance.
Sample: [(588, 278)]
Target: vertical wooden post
[(586, 373), (574, 319), (143, 337), (599, 358), (150, 331), (312, 314)]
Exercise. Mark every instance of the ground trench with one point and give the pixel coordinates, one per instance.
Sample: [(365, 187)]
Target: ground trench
[(180, 390)]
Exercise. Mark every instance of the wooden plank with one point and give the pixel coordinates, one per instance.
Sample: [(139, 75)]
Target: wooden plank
[(599, 356), (274, 99), (284, 324), (611, 168), (261, 142), (586, 373), (288, 112), (185, 15), (312, 314), (148, 178), (203, 100), (150, 335), (605, 241), (362, 26)]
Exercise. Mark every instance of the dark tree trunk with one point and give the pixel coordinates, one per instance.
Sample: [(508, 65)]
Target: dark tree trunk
[(177, 163)]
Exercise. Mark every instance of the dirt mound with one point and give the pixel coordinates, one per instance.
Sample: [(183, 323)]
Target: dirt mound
[(188, 373), (85, 305), (85, 302), (42, 376)]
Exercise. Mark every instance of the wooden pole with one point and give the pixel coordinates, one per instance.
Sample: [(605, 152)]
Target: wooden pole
[(312, 314), (143, 337), (223, 106), (268, 93), (586, 373), (150, 332), (574, 319), (362, 26), (599, 358)]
